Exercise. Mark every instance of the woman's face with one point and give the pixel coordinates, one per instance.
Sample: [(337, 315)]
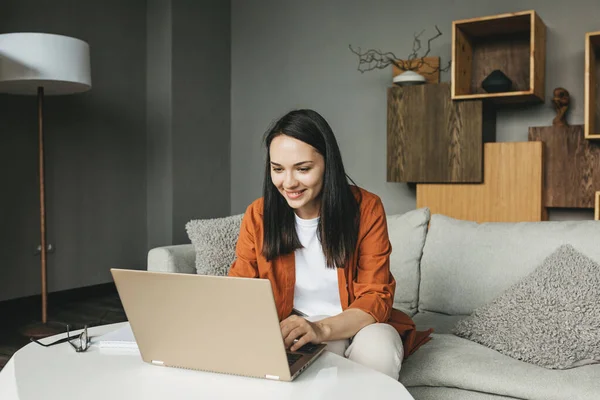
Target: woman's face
[(297, 172)]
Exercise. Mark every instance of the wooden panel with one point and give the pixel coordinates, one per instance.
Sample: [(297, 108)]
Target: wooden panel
[(497, 24), (538, 56), (511, 190), (502, 98), (571, 166), (430, 138), (597, 207), (430, 69), (592, 77), (461, 64), (509, 54)]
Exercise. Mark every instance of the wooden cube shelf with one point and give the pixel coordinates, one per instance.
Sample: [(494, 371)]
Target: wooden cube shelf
[(592, 79), (513, 43)]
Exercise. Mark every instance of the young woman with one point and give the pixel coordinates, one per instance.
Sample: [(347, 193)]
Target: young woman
[(324, 246)]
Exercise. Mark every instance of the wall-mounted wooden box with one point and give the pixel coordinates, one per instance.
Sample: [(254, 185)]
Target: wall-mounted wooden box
[(432, 139), (513, 43), (571, 166), (592, 79), (511, 190)]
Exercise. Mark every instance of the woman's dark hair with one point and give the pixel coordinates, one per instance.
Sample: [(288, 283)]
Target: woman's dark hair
[(340, 212)]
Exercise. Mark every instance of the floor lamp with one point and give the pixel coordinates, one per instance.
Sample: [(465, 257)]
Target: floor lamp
[(43, 64)]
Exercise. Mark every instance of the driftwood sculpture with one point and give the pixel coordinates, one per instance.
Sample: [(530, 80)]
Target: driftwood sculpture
[(376, 59), (561, 100)]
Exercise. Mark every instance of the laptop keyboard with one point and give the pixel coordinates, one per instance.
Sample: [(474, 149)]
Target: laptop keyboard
[(308, 348), (292, 358)]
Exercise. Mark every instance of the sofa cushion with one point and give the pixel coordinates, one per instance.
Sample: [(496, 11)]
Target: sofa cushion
[(441, 323), (450, 361), (466, 265), (551, 318), (407, 236), (446, 393), (214, 241)]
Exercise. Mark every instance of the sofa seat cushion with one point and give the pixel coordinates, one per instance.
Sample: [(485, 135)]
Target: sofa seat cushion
[(445, 393), (441, 323), (450, 361)]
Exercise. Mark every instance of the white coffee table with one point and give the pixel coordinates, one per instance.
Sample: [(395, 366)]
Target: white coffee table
[(58, 372)]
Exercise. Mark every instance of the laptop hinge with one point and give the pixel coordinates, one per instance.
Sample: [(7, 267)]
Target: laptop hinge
[(156, 362), (274, 377)]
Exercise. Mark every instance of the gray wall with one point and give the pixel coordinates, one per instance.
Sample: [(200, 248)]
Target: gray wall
[(95, 153), (188, 115), (159, 116), (201, 60), (291, 54), (132, 160)]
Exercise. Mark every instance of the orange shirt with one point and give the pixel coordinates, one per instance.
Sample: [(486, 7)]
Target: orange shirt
[(365, 282)]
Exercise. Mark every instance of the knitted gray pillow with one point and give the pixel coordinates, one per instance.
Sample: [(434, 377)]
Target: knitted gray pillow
[(214, 241), (551, 318)]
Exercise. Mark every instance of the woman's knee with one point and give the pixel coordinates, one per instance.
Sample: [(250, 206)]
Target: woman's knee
[(378, 346)]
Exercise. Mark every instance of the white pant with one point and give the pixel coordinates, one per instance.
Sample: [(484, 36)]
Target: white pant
[(377, 346)]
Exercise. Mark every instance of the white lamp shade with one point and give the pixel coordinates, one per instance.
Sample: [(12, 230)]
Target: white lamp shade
[(59, 64)]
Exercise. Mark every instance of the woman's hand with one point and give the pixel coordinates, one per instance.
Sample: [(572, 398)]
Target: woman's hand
[(295, 327)]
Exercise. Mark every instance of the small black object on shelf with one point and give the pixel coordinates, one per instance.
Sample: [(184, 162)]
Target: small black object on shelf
[(496, 82)]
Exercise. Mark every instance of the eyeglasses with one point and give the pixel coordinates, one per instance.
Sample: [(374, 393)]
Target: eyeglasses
[(82, 341)]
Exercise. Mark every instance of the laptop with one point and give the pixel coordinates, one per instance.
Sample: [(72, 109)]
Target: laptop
[(209, 323)]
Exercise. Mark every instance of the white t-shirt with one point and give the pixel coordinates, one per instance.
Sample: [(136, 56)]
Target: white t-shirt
[(316, 291)]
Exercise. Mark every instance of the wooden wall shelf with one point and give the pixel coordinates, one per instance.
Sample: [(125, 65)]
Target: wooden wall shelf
[(571, 166), (430, 138), (592, 79), (514, 43), (511, 190)]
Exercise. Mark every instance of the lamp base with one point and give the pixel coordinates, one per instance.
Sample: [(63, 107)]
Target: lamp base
[(39, 330)]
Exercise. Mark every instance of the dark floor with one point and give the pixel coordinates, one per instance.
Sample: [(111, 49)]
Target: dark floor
[(97, 309)]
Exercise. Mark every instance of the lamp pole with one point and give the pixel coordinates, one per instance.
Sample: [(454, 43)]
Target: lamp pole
[(40, 96)]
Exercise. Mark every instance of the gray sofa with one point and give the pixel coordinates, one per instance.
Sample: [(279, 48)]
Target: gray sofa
[(446, 268)]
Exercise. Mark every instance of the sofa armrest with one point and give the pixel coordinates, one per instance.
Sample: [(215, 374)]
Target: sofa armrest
[(179, 259)]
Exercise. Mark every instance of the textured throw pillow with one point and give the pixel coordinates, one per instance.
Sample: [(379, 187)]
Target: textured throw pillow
[(407, 234), (551, 318), (214, 241)]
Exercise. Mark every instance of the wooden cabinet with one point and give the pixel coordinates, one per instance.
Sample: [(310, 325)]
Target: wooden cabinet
[(511, 190), (432, 139)]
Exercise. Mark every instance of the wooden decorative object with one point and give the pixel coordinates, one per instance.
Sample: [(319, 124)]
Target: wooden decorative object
[(514, 43), (430, 138), (571, 166), (511, 190), (592, 79), (430, 69), (561, 100), (597, 207)]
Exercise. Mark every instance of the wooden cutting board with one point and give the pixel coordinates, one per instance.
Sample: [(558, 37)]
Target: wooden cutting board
[(511, 190), (571, 166)]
